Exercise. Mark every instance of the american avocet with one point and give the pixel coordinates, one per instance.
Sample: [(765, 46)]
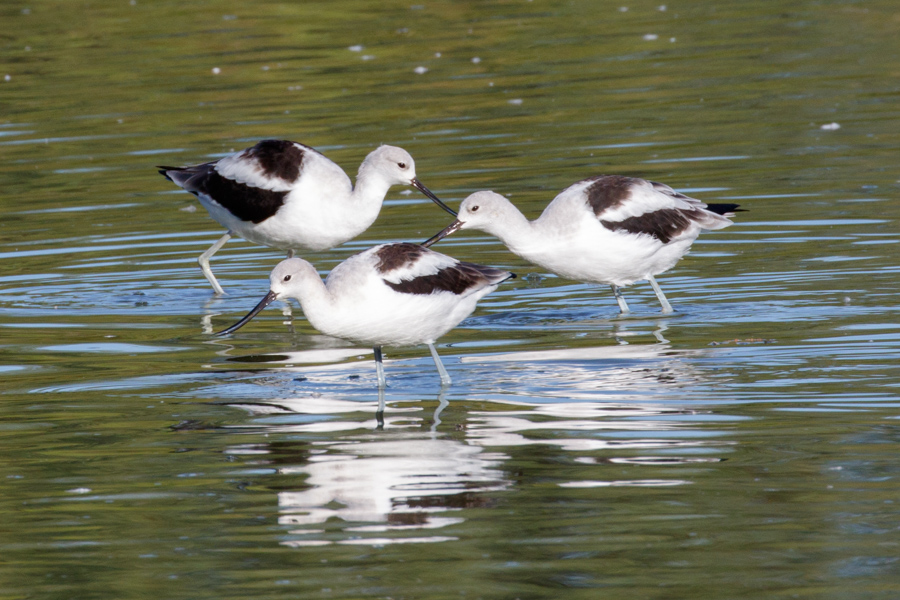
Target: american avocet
[(289, 196), (390, 295), (607, 229)]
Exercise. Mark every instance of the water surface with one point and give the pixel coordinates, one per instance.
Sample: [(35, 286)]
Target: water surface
[(744, 447)]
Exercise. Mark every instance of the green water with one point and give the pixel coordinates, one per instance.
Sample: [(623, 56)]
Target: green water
[(745, 447)]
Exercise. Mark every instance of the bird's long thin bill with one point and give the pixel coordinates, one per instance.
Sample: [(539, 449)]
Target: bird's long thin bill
[(451, 228), (421, 187), (256, 310)]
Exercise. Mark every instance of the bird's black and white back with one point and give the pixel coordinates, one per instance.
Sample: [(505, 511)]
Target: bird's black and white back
[(404, 294), (252, 184), (414, 269), (630, 229), (634, 206)]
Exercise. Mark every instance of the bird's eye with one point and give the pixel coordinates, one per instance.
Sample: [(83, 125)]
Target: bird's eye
[(287, 278), (402, 165), (474, 208)]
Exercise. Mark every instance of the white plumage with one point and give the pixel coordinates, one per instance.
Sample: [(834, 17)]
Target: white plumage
[(608, 229), (389, 295)]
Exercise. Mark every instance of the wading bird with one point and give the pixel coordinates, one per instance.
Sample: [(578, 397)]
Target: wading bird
[(390, 295), (608, 229), (289, 196)]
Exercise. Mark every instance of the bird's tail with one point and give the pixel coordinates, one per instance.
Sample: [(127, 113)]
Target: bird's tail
[(190, 178), (164, 171), (726, 210)]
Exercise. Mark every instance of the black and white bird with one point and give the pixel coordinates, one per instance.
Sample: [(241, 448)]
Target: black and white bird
[(291, 197), (390, 295), (608, 229)]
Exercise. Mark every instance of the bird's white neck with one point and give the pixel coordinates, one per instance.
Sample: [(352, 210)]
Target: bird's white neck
[(369, 192), (315, 299), (514, 230)]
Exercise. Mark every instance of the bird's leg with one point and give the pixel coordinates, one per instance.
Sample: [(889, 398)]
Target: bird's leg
[(445, 378), (204, 263), (290, 253), (658, 334), (666, 307), (442, 404), (623, 306), (379, 413), (379, 368), (206, 324)]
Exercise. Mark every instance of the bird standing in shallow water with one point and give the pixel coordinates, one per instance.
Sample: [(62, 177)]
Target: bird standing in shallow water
[(289, 196), (390, 295), (607, 229)]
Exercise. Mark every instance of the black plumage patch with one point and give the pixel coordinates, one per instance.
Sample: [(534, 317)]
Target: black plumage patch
[(277, 158), (457, 279), (245, 202), (608, 191), (664, 224), (163, 170), (724, 209), (396, 256)]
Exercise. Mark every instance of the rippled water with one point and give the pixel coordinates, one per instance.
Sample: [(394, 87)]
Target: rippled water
[(744, 447)]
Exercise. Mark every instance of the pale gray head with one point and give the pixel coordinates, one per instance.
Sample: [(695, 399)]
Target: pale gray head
[(395, 166), (286, 281), (481, 209), (485, 211), (289, 275)]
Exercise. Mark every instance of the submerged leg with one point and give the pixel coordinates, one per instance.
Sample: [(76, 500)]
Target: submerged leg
[(658, 334), (666, 307), (445, 378), (379, 413), (379, 368), (206, 324), (442, 404), (204, 262), (623, 306)]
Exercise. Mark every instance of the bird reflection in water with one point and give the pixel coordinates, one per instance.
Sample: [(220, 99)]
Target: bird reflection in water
[(378, 485), (435, 419)]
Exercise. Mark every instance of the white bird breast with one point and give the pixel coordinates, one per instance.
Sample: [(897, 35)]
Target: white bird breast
[(383, 316)]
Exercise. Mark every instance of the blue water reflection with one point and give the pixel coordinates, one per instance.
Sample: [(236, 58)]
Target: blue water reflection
[(376, 480)]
